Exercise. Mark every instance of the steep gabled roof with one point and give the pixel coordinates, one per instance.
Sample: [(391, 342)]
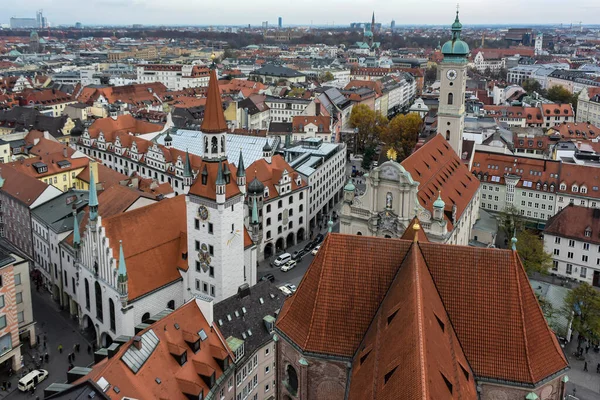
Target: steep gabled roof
[(484, 292), (214, 119)]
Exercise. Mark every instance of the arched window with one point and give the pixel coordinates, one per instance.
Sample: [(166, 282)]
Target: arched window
[(214, 145), (292, 380), (87, 294), (171, 305), (145, 317), (447, 135), (111, 312), (359, 233), (450, 98), (222, 144), (98, 291), (205, 145)]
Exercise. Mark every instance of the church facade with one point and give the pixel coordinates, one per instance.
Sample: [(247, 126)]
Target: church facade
[(433, 184)]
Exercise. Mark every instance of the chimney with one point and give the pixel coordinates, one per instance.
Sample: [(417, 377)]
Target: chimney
[(137, 342), (65, 153)]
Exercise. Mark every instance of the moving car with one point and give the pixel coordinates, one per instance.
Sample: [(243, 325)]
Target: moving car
[(285, 290), (268, 277), (308, 246), (319, 238), (282, 259), (298, 254), (315, 250), (288, 265), (32, 379)]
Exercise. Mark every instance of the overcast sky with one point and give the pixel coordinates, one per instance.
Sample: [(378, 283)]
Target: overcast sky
[(320, 12)]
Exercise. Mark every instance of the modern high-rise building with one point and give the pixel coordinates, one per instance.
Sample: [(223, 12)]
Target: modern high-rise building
[(16, 23), (280, 22), (393, 25)]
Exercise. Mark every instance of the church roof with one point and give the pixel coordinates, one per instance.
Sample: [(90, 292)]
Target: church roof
[(437, 168), (208, 190), (214, 119), (414, 286)]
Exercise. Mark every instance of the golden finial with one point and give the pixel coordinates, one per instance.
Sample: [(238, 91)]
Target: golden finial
[(213, 56), (416, 228), (392, 154)]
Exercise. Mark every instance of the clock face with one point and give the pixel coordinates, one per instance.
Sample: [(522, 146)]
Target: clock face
[(451, 74), (203, 213)]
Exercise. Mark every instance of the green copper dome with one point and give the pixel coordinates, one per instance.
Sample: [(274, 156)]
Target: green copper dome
[(439, 203), (349, 186), (368, 34), (455, 47)]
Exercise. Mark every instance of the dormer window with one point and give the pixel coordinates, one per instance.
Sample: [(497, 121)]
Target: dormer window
[(583, 189), (574, 188), (588, 232), (563, 186), (266, 192)]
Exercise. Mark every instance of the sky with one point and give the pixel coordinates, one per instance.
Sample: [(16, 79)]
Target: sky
[(305, 12)]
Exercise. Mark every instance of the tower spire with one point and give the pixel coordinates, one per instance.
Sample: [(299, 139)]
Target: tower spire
[(76, 234), (93, 197), (241, 170), (122, 278), (214, 119)]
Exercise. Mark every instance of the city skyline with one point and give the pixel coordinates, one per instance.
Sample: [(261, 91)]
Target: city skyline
[(439, 12)]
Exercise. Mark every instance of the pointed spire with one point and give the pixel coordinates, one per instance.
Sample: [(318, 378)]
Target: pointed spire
[(241, 170), (76, 234), (214, 119), (122, 267), (220, 179), (93, 196), (187, 168), (254, 211)]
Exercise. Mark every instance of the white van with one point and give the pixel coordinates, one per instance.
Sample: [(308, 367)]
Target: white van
[(32, 379), (282, 259)]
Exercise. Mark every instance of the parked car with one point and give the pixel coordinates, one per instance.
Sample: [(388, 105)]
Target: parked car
[(298, 254), (268, 277), (285, 290), (32, 379), (282, 259), (319, 238), (291, 287), (315, 250), (288, 265)]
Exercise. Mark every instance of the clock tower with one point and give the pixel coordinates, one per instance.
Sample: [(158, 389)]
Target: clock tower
[(451, 111)]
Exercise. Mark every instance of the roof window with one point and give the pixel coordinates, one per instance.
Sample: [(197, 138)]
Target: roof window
[(447, 382), (387, 376)]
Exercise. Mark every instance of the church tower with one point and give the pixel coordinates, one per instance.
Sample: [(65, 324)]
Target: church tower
[(214, 126), (451, 111)]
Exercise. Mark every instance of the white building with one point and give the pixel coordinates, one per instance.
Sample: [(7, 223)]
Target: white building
[(323, 166), (571, 236), (493, 64), (588, 106), (284, 109), (173, 76)]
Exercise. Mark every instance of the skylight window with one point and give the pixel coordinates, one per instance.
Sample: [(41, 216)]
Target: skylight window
[(202, 335)]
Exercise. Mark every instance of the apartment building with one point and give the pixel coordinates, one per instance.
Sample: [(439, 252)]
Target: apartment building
[(173, 76), (588, 106), (284, 109), (247, 322), (571, 236)]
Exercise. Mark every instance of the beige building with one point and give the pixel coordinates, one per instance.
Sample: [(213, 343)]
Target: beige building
[(588, 106)]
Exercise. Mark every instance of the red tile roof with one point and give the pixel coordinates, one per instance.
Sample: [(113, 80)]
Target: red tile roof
[(177, 382), (577, 130), (584, 177), (209, 189), (153, 238), (437, 168), (492, 167), (573, 221), (107, 177), (323, 123), (214, 119), (557, 110), (484, 295), (122, 124), (21, 186), (271, 173)]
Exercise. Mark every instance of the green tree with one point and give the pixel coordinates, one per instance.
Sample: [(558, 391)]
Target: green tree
[(369, 125), (583, 303), (431, 74), (574, 100), (326, 77), (559, 94), (228, 54), (531, 85), (511, 221), (295, 92), (402, 133), (368, 156), (531, 250)]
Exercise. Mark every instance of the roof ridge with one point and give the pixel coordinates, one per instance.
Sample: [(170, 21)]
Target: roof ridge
[(420, 316), (520, 296)]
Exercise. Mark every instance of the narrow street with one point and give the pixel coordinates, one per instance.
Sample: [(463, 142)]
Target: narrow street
[(59, 329)]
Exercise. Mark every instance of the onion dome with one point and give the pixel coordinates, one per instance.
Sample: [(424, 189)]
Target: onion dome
[(455, 47), (439, 203), (349, 186), (256, 186)]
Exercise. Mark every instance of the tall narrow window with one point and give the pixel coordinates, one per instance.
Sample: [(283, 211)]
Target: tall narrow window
[(450, 98), (111, 311), (87, 295), (98, 290)]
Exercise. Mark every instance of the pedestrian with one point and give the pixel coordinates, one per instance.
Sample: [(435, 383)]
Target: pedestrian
[(585, 366), (598, 369), (60, 348), (37, 338), (45, 337), (77, 347), (45, 345), (587, 348), (46, 357), (73, 356), (41, 359), (89, 349)]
